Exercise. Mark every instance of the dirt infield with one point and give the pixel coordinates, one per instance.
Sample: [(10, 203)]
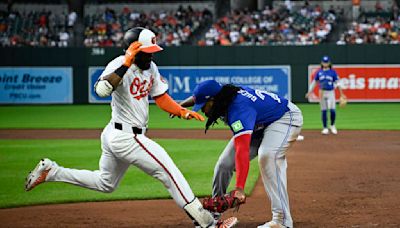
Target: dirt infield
[(348, 180)]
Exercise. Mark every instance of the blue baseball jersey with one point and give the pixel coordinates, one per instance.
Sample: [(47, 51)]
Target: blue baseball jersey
[(252, 109), (326, 79)]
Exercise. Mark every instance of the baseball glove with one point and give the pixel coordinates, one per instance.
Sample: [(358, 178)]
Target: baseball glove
[(342, 102), (222, 203)]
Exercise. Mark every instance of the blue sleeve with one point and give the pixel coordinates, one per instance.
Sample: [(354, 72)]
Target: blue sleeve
[(242, 120)]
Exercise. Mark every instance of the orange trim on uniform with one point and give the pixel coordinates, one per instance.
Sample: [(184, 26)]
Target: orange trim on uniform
[(151, 49)]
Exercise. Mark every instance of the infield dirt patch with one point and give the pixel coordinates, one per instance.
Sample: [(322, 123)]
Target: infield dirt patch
[(348, 180)]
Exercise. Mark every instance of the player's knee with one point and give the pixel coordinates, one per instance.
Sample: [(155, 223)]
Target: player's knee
[(106, 185), (265, 157), (163, 177), (224, 166)]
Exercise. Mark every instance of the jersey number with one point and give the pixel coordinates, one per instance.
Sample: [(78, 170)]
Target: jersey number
[(140, 89), (260, 94)]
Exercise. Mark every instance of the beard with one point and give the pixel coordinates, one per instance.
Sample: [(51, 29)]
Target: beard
[(143, 60)]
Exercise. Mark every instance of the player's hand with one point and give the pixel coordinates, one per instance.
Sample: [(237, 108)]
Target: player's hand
[(188, 114), (307, 95), (239, 194), (131, 52)]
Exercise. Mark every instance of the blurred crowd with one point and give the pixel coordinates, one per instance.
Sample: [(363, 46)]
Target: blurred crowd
[(34, 28), (376, 30), (379, 27), (172, 28), (282, 26)]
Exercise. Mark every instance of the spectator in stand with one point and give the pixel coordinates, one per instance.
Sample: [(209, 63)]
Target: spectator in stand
[(72, 16), (378, 6)]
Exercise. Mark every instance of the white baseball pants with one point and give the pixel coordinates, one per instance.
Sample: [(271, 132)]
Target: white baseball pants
[(120, 150)]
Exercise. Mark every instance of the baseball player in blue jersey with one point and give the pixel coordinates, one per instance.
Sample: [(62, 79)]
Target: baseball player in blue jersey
[(264, 125), (328, 80)]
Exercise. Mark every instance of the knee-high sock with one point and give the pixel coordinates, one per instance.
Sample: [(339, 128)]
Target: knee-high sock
[(333, 116), (324, 118)]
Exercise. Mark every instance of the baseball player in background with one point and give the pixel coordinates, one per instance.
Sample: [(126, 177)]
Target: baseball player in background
[(264, 125), (129, 79), (328, 80)]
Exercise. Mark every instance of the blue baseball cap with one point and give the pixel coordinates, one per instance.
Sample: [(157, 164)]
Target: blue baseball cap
[(204, 91), (325, 59)]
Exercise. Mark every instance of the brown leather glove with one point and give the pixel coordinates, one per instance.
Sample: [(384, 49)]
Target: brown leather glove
[(222, 203), (131, 52)]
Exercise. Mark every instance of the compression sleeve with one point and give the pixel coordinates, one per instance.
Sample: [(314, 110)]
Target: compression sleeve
[(242, 159), (166, 103)]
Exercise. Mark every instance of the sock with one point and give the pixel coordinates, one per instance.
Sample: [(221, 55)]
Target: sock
[(324, 118), (333, 116)]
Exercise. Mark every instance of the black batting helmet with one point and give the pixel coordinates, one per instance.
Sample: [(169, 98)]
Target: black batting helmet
[(145, 36)]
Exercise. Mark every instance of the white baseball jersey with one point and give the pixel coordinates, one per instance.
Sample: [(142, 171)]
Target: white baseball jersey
[(130, 103)]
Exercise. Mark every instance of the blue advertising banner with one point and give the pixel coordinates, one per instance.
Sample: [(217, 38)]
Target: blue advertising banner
[(36, 85), (182, 80), (94, 73)]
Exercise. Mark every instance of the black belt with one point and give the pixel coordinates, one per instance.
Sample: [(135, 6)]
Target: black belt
[(135, 130)]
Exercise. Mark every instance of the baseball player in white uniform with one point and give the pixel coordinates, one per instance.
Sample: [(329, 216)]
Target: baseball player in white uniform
[(129, 79)]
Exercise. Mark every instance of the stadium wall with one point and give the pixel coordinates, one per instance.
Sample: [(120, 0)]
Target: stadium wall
[(297, 57)]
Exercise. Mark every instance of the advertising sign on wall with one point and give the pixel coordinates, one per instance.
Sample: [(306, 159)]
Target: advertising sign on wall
[(364, 83), (182, 80), (36, 85)]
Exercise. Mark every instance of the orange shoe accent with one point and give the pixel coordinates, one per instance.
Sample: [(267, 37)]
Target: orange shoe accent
[(41, 179), (228, 223)]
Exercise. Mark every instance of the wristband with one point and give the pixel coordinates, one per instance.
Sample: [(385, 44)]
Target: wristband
[(121, 71)]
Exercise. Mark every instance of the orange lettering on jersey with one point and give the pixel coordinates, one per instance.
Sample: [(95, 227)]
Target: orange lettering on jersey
[(140, 89)]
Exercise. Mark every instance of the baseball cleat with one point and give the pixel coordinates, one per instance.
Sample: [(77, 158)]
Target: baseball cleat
[(271, 224), (333, 130), (38, 175), (227, 223), (325, 131)]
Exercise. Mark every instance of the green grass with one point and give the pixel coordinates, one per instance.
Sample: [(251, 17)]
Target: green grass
[(18, 157), (355, 116)]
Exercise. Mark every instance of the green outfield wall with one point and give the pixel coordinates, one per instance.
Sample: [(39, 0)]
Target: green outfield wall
[(297, 57)]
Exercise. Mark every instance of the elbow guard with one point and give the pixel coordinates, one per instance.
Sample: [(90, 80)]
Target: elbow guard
[(103, 88)]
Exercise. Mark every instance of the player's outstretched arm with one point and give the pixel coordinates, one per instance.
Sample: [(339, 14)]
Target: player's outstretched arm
[(312, 86), (188, 102), (166, 103)]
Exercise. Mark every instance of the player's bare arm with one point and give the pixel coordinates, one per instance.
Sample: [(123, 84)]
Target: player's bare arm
[(340, 90), (188, 102), (312, 86)]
